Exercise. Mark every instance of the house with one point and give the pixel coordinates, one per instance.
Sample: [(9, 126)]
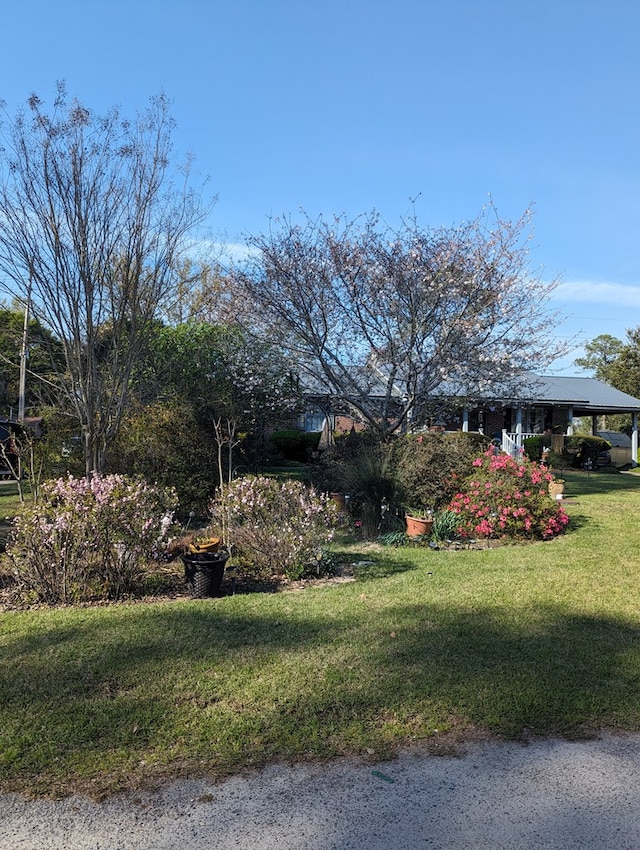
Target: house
[(539, 402), (547, 401)]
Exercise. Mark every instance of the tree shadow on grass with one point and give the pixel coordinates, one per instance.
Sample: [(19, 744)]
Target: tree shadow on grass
[(251, 686)]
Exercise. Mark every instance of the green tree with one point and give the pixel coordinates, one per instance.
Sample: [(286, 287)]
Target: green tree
[(618, 364), (201, 391), (625, 370), (45, 359), (600, 356)]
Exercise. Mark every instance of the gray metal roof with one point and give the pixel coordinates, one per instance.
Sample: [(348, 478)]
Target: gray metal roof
[(584, 393)]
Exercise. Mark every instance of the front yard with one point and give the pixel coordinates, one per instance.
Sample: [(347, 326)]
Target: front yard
[(425, 646)]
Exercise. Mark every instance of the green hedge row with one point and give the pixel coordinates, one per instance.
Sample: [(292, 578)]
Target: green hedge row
[(577, 450), (295, 445)]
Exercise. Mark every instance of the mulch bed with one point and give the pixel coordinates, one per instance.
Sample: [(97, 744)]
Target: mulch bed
[(172, 587)]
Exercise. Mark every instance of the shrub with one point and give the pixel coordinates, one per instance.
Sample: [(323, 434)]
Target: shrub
[(576, 450), (504, 498), (280, 527), (295, 445), (88, 539), (424, 470), (165, 442), (363, 467), (430, 467)]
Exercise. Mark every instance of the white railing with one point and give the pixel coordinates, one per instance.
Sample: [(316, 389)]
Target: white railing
[(512, 443)]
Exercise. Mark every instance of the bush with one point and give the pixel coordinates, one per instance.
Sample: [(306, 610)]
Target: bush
[(504, 498), (295, 445), (423, 470), (364, 468), (576, 450), (430, 467), (279, 527), (167, 444), (87, 539)]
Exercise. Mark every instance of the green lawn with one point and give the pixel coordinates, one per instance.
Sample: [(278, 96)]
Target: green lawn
[(519, 640)]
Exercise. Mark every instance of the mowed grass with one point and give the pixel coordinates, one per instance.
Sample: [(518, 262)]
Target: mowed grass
[(540, 639)]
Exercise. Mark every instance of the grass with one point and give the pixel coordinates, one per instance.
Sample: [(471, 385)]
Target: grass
[(541, 639)]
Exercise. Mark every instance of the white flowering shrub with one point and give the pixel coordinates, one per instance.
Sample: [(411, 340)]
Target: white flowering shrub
[(278, 527), (89, 538)]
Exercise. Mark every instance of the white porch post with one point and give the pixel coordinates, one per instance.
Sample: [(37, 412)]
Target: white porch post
[(465, 419), (519, 427), (570, 421), (634, 440)]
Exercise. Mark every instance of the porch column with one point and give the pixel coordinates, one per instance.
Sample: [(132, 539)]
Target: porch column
[(634, 440), (465, 419), (570, 421), (519, 427), (594, 426)]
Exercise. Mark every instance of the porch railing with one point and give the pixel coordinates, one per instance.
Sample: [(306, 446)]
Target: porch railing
[(512, 443)]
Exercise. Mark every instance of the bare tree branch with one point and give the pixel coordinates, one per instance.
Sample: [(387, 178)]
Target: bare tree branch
[(383, 320), (90, 214)]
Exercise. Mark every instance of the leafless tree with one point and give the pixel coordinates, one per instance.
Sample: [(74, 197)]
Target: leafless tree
[(93, 222), (383, 319)]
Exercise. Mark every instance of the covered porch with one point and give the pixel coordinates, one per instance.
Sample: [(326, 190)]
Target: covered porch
[(551, 404)]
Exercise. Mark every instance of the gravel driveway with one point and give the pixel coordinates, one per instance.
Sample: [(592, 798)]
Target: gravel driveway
[(547, 794)]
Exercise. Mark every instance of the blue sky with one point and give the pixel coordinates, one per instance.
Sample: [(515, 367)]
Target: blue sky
[(341, 107)]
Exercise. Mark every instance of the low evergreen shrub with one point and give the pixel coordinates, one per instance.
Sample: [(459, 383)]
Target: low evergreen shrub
[(295, 445), (429, 467), (577, 450)]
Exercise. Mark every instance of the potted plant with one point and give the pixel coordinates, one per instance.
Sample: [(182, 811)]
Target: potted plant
[(556, 488), (204, 560), (419, 521)]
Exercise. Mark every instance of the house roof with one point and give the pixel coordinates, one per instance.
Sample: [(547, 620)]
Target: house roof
[(588, 394), (585, 395)]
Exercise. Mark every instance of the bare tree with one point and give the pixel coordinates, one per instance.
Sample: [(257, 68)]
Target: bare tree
[(93, 223), (385, 319)]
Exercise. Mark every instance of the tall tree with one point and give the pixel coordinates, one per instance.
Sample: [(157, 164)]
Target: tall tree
[(625, 369), (383, 319), (600, 355), (93, 223)]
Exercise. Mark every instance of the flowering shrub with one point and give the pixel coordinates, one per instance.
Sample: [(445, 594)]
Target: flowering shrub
[(504, 498), (87, 538), (280, 527)]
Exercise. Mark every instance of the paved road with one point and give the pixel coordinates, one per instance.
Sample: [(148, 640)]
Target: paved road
[(548, 794)]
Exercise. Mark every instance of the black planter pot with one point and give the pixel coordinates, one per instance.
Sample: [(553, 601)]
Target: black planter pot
[(203, 573)]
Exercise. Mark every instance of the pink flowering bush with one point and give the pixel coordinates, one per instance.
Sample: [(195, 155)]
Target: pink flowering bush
[(88, 538), (506, 498), (277, 527)]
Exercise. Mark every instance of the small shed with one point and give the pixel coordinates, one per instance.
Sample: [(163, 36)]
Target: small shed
[(620, 450)]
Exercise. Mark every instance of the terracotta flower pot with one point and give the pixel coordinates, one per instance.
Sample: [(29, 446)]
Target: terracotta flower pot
[(417, 526), (340, 500), (556, 489)]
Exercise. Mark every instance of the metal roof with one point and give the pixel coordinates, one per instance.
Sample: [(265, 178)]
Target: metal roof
[(616, 438), (584, 393)]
